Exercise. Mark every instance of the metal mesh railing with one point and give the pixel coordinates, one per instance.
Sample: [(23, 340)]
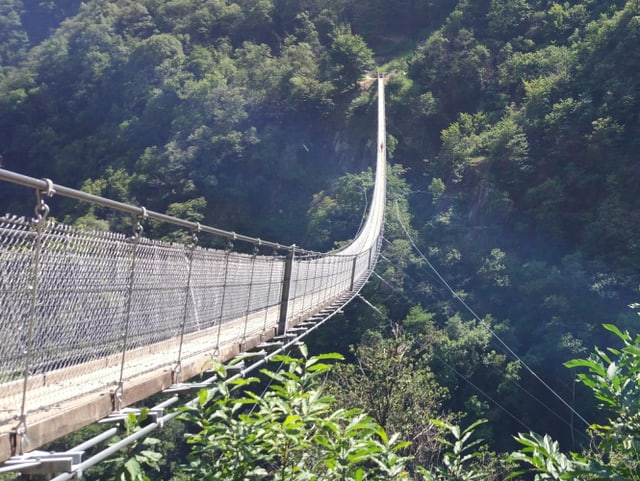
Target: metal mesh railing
[(100, 302), (97, 300)]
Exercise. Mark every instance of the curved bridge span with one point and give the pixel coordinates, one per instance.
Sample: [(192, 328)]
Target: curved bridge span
[(94, 321)]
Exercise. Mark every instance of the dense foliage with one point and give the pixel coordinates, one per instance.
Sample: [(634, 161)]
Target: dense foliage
[(211, 110), (290, 428), (513, 132), (292, 431)]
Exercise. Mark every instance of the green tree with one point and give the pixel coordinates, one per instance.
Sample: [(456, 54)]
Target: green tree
[(455, 66), (387, 382), (135, 461), (612, 377), (349, 56), (463, 460), (291, 432), (506, 19), (13, 38), (335, 218)]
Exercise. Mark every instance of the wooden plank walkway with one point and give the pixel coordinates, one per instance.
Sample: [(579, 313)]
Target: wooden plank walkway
[(62, 401)]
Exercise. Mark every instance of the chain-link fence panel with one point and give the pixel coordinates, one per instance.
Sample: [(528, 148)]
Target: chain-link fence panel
[(86, 312)]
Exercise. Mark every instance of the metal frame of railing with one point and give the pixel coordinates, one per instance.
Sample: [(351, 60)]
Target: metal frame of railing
[(48, 188), (41, 302), (71, 460)]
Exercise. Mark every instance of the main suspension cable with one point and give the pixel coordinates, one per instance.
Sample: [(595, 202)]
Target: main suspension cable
[(517, 384), (493, 333), (458, 373)]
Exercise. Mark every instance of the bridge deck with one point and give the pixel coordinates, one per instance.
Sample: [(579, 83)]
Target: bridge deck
[(64, 400)]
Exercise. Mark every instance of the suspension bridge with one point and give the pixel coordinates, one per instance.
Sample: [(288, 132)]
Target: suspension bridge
[(93, 322)]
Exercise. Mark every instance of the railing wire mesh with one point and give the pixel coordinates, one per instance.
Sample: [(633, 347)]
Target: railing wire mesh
[(98, 312)]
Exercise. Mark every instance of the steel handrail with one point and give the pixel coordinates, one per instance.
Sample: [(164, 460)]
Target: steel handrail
[(49, 188)]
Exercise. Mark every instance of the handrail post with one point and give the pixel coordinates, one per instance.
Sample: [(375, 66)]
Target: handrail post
[(117, 395), (286, 287), (353, 272), (190, 252), (227, 254), (266, 311), (248, 306), (19, 432)]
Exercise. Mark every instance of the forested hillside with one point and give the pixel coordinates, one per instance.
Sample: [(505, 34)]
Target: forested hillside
[(220, 111), (513, 133)]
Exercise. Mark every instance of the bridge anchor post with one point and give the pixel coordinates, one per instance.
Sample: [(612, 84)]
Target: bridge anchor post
[(353, 272), (286, 287)]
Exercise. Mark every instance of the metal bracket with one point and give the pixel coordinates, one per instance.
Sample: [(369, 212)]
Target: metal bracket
[(13, 442), (44, 462), (18, 436), (249, 355), (120, 415), (236, 368), (50, 190), (155, 413), (116, 399), (297, 329), (176, 373), (284, 337), (306, 324), (271, 346), (189, 387)]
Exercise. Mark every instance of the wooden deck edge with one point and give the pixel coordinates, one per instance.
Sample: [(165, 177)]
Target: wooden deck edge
[(96, 406)]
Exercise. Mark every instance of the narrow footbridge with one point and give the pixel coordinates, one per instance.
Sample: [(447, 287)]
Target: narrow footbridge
[(92, 322)]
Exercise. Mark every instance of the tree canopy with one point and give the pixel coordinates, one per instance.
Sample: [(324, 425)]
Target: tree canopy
[(513, 131)]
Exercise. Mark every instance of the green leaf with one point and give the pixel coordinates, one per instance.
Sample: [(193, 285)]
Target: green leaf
[(204, 396), (151, 455), (322, 367), (283, 359), (292, 418), (133, 468), (516, 474), (611, 328), (632, 350), (380, 431), (578, 363), (218, 368), (330, 356)]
